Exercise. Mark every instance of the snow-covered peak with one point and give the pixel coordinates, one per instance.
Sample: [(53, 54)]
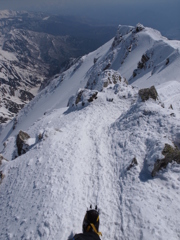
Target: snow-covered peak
[(138, 53)]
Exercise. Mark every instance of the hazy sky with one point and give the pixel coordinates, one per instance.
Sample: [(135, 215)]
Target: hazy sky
[(160, 14)]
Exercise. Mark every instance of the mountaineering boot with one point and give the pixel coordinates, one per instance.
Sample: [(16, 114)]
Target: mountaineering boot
[(90, 226)]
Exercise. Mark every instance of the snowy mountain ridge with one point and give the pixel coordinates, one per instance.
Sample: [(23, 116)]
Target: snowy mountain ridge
[(140, 53), (100, 149), (33, 48)]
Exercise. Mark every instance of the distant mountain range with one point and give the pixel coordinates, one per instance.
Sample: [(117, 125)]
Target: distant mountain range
[(36, 46)]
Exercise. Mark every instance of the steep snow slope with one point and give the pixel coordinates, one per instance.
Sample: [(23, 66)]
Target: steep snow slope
[(81, 154), (142, 56), (57, 94), (33, 48)]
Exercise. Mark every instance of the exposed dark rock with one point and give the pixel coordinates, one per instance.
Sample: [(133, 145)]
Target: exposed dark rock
[(144, 58), (113, 78), (84, 96), (26, 96), (1, 158), (14, 123), (22, 146), (105, 84), (173, 115), (171, 107), (78, 98), (167, 61), (12, 91), (3, 119), (109, 99), (93, 97), (107, 66), (135, 73), (95, 60), (162, 105), (12, 106), (1, 176), (133, 163), (40, 136), (116, 78), (139, 27), (142, 63), (147, 93), (171, 154)]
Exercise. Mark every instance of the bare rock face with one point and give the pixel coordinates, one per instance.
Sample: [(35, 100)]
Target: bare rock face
[(21, 139), (171, 154), (139, 27), (142, 63), (147, 93), (1, 176), (133, 164), (84, 96), (78, 98)]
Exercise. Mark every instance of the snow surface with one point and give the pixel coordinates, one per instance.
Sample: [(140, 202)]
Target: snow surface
[(7, 13), (84, 151)]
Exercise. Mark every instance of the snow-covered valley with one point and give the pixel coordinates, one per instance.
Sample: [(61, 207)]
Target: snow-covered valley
[(100, 149)]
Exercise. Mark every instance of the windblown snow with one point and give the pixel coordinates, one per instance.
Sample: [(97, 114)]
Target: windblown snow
[(100, 149)]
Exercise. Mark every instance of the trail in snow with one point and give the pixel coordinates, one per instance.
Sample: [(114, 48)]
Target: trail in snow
[(82, 160), (145, 202), (73, 167), (85, 152)]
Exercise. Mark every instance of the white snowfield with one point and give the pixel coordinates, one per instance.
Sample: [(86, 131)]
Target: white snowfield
[(85, 149)]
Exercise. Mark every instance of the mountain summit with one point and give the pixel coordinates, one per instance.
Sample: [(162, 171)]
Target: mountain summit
[(90, 137)]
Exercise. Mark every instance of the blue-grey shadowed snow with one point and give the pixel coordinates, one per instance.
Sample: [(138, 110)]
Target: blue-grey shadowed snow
[(145, 174)]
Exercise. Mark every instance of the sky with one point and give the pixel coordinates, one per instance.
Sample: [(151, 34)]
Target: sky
[(160, 14)]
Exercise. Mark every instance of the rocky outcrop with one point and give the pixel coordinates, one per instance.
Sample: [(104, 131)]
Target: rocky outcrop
[(92, 97), (133, 164), (1, 176), (171, 154), (113, 77), (12, 106), (78, 98), (139, 27), (147, 93), (83, 97), (142, 63), (2, 159), (21, 143), (104, 79)]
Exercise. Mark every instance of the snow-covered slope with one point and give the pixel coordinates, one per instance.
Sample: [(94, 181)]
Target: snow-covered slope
[(33, 48), (99, 150), (142, 56)]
